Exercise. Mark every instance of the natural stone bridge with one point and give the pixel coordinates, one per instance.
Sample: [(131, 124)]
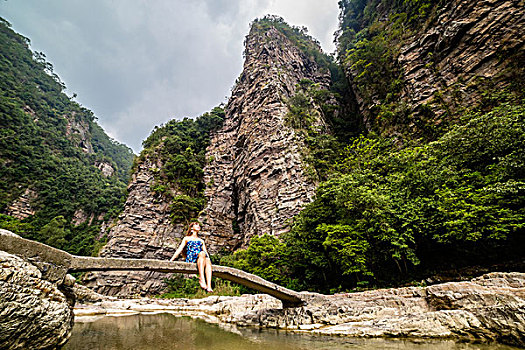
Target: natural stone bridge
[(55, 264)]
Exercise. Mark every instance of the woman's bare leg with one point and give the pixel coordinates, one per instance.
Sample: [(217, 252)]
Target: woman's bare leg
[(208, 271), (201, 262)]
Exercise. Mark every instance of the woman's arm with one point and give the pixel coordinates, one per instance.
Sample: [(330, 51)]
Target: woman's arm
[(179, 249), (204, 249)]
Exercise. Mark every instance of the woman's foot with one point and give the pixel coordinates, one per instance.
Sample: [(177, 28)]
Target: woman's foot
[(203, 285), (209, 290)]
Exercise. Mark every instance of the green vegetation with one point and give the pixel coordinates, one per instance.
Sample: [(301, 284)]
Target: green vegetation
[(394, 215), (370, 37), (181, 148), (181, 287), (386, 211), (307, 108), (393, 212), (40, 149)]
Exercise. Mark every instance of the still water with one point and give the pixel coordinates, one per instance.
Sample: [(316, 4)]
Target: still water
[(167, 332)]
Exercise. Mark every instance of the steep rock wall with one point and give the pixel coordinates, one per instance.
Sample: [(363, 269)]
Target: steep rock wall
[(255, 176), (470, 46), (22, 207), (144, 230)]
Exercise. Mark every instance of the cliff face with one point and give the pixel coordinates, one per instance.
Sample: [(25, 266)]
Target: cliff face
[(255, 176), (144, 230), (466, 49)]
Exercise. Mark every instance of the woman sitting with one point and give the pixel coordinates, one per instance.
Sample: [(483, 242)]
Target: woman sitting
[(196, 252)]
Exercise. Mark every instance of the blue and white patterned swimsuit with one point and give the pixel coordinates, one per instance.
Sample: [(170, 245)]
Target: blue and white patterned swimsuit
[(193, 248)]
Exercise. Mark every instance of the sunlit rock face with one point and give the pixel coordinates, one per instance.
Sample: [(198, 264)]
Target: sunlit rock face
[(34, 313), (255, 175)]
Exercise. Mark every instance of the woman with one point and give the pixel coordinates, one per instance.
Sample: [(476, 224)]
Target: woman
[(196, 252)]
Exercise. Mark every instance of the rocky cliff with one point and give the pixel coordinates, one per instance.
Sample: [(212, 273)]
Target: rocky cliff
[(461, 52), (36, 308), (256, 180), (144, 230), (255, 175)]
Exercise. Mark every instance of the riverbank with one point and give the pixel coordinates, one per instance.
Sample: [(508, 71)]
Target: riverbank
[(487, 308)]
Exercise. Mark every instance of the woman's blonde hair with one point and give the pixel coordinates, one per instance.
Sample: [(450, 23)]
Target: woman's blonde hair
[(190, 226)]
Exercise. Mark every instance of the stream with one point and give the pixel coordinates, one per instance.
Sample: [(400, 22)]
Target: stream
[(165, 331)]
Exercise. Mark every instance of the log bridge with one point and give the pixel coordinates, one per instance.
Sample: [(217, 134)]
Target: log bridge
[(55, 264)]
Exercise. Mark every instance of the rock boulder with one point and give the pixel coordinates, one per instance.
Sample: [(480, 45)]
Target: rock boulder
[(34, 313)]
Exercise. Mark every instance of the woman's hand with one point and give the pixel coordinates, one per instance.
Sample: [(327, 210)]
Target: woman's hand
[(179, 250)]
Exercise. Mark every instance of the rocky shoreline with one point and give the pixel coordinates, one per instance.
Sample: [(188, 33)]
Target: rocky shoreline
[(37, 313), (487, 308)]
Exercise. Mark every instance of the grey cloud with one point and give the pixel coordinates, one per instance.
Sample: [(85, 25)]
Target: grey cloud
[(138, 64)]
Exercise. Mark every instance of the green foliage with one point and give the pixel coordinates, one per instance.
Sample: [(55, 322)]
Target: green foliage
[(372, 61), (185, 208), (393, 215), (14, 225), (181, 148), (306, 109), (266, 257), (369, 39), (54, 233), (38, 150), (181, 287)]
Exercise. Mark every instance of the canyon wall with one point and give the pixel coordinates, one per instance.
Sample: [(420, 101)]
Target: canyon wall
[(144, 230), (463, 51), (255, 177)]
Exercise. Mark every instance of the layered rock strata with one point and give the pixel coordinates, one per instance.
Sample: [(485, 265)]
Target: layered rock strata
[(21, 208), (34, 313), (255, 176), (471, 46), (144, 231), (487, 308), (77, 131)]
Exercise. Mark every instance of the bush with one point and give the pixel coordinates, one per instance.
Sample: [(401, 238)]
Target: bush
[(182, 287)]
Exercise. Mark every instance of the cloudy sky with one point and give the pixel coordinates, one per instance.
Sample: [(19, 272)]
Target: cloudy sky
[(137, 63)]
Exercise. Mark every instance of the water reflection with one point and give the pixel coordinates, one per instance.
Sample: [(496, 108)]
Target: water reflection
[(164, 331)]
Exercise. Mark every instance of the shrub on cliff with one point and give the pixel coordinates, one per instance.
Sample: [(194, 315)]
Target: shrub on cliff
[(180, 145)]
